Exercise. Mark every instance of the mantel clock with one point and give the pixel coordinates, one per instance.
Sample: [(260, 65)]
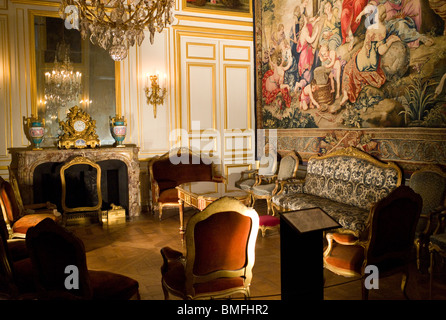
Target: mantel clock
[(79, 130)]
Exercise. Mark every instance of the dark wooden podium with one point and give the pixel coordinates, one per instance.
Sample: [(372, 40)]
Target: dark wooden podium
[(301, 253)]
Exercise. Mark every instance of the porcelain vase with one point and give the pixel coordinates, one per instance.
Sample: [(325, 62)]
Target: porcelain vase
[(36, 131), (118, 128)]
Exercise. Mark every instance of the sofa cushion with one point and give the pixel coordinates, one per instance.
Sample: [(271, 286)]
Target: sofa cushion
[(169, 195), (350, 180), (21, 226), (165, 184), (348, 216), (345, 259)]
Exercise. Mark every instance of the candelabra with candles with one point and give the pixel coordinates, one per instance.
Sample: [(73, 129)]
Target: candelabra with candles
[(155, 93)]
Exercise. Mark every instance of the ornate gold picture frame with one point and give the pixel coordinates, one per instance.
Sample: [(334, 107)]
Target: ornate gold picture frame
[(241, 8)]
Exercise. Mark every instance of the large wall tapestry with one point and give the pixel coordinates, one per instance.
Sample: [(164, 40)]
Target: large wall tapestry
[(337, 69)]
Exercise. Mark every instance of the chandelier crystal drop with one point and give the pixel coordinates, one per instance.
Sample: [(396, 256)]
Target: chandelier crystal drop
[(62, 84), (116, 25)]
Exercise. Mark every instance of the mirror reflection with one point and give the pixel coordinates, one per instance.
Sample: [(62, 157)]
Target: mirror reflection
[(71, 71)]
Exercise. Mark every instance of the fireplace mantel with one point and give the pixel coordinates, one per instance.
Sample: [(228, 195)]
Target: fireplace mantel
[(24, 162)]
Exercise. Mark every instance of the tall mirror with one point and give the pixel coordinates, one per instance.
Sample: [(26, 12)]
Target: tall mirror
[(71, 71)]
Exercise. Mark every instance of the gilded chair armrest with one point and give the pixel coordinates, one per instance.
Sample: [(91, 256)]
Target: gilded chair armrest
[(219, 178), (248, 172), (441, 224), (37, 207), (279, 186), (430, 220), (435, 221), (169, 254), (155, 189), (45, 205), (346, 239), (270, 178), (329, 237)]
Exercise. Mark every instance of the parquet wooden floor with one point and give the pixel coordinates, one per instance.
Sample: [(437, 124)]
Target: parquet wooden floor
[(133, 249)]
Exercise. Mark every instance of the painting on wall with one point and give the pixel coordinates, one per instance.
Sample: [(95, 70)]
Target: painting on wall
[(351, 64), (227, 7)]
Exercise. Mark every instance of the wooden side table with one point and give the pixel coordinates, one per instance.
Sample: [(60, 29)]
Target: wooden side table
[(201, 193)]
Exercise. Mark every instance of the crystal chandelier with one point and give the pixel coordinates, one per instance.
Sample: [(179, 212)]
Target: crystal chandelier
[(62, 84), (116, 25)]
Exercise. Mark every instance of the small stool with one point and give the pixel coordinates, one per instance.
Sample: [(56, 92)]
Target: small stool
[(268, 222)]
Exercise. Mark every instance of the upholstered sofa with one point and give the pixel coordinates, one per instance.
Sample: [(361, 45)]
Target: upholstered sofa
[(345, 183), (175, 167)]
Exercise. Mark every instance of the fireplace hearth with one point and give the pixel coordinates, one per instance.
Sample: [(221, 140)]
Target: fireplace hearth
[(38, 174)]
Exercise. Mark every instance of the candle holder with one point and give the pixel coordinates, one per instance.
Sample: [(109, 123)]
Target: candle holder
[(155, 93)]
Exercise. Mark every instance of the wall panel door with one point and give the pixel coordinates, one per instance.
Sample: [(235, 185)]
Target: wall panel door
[(215, 99)]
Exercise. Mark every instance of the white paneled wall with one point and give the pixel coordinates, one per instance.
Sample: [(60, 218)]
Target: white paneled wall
[(216, 101), (208, 63)]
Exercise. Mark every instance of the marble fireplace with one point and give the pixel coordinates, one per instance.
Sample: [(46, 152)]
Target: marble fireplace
[(121, 179)]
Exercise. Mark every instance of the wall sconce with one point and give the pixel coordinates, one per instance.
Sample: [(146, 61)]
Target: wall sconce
[(155, 93)]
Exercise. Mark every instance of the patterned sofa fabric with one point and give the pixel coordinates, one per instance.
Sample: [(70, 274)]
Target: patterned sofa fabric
[(345, 184), (349, 180), (348, 216)]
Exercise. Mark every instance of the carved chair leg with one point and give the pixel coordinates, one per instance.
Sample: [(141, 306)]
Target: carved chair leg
[(404, 282), (417, 249), (160, 211), (431, 272), (268, 205), (329, 237), (365, 291), (273, 209), (165, 291)]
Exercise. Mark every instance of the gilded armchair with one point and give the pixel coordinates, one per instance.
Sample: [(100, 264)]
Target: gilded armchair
[(430, 183), (81, 191), (437, 245), (19, 218), (173, 168), (387, 243), (267, 186), (267, 167), (220, 253)]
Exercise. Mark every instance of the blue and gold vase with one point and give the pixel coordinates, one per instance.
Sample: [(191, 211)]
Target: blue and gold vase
[(118, 128), (35, 128)]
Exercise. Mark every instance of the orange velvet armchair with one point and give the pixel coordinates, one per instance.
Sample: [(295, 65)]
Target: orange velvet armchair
[(220, 243), (387, 244), (16, 279), (175, 167), (15, 214)]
